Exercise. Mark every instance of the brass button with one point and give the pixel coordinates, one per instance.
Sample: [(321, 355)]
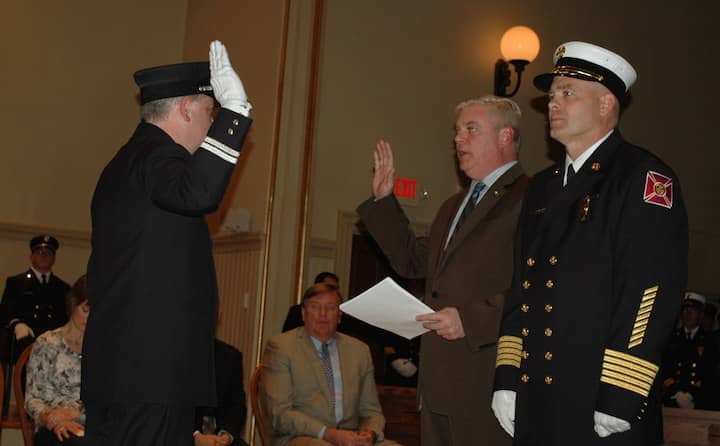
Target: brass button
[(236, 122), (694, 365), (525, 354), (37, 307), (692, 382), (548, 380), (692, 374), (496, 193), (595, 166), (526, 284), (548, 332), (525, 332), (548, 356), (549, 284), (524, 308), (548, 308), (231, 132), (553, 260), (530, 261), (524, 378)]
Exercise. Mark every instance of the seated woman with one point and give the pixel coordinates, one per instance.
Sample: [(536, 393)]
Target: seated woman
[(52, 392)]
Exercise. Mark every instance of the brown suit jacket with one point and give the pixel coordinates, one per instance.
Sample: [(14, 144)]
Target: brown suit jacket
[(295, 395), (472, 274)]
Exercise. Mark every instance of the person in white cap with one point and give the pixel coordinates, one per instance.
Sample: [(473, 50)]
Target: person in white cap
[(600, 272), (690, 363), (147, 357)]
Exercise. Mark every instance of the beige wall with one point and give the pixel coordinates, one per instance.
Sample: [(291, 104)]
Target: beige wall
[(395, 70), (69, 103)]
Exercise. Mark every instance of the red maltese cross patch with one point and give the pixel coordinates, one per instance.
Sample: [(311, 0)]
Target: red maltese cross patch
[(658, 189)]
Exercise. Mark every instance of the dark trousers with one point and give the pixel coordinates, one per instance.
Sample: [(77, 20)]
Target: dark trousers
[(139, 425)]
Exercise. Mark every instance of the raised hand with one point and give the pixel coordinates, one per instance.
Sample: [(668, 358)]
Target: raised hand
[(227, 86), (383, 170)]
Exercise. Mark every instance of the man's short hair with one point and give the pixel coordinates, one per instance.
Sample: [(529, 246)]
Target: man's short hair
[(320, 288), (506, 113), (160, 108), (324, 275)]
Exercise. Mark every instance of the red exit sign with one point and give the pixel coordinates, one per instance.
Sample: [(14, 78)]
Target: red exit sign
[(405, 187)]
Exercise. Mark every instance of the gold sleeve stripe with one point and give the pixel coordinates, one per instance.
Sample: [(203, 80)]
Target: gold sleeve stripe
[(513, 363), (639, 376), (509, 351), (643, 316), (510, 340), (621, 377), (623, 385), (636, 337), (631, 362)]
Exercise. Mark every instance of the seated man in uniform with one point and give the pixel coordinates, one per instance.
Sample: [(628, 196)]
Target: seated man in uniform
[(691, 360), (317, 385), (34, 301)]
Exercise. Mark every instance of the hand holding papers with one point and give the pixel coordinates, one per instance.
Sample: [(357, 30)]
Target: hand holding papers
[(387, 305)]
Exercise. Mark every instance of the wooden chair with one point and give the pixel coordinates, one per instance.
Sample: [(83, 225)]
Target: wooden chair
[(260, 421), (27, 425), (17, 418)]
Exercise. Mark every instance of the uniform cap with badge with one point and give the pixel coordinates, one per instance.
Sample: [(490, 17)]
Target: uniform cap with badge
[(694, 300), (44, 241), (170, 81), (590, 62)]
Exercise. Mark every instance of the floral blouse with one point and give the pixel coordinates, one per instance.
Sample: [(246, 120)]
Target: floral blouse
[(53, 375)]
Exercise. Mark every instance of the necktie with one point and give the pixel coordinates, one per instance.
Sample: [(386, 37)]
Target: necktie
[(470, 205), (327, 368), (570, 173), (44, 279)]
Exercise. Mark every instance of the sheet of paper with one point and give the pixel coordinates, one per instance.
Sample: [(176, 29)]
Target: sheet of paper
[(387, 305)]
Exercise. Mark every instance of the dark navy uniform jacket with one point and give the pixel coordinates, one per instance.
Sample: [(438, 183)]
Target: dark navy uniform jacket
[(690, 365), (151, 280), (41, 307), (600, 275)]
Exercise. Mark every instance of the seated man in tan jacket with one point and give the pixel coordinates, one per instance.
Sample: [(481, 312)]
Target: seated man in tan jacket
[(317, 386)]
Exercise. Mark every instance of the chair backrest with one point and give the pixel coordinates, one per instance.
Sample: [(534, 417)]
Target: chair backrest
[(260, 421), (26, 424)]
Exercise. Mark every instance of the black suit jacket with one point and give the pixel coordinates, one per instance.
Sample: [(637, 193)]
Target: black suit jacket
[(151, 277), (231, 410)]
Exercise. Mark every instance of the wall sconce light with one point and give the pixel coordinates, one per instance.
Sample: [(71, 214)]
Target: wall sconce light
[(519, 46)]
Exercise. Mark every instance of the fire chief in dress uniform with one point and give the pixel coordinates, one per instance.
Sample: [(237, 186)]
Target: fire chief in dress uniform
[(148, 352), (600, 272)]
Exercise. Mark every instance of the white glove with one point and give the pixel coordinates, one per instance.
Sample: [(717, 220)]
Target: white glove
[(684, 400), (22, 330), (606, 425), (503, 405), (404, 367), (227, 86)]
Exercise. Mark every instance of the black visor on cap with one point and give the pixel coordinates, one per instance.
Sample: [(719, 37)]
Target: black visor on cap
[(169, 81), (583, 70)]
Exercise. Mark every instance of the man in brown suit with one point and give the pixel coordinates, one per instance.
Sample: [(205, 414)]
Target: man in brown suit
[(467, 262)]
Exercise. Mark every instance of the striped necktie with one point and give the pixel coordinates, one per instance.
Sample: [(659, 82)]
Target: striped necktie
[(327, 368), (470, 205)]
